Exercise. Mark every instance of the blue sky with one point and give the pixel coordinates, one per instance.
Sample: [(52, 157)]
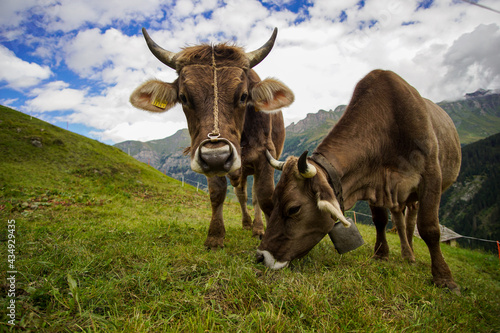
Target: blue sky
[(74, 63)]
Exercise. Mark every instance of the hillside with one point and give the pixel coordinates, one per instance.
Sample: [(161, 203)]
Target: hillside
[(104, 243), (40, 155), (472, 205), (476, 117), (308, 132), (165, 155), (160, 152)]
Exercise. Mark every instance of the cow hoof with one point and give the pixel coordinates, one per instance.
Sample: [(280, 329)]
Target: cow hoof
[(456, 291), (247, 224), (380, 257), (213, 243), (407, 254), (449, 284), (410, 260), (258, 233)]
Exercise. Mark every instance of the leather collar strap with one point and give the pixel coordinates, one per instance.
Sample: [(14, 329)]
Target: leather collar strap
[(333, 176)]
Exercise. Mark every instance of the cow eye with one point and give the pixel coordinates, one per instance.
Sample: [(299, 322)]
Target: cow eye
[(293, 210), (243, 97), (183, 99)]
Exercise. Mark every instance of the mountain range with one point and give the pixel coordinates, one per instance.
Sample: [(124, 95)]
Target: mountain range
[(476, 117)]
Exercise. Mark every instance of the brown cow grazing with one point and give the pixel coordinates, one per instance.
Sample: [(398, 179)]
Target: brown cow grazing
[(392, 148), (226, 106)]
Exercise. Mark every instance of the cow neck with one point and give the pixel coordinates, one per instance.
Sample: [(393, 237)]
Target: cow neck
[(333, 176)]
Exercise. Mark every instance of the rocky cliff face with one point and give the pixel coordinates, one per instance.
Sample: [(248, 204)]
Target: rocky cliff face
[(475, 117), (313, 119), (165, 155)]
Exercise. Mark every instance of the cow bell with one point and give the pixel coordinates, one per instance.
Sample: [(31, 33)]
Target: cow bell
[(345, 239)]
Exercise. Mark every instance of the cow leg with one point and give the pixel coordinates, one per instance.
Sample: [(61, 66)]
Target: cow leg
[(263, 190), (399, 220), (411, 220), (258, 212), (379, 217), (428, 228), (217, 187), (241, 193)]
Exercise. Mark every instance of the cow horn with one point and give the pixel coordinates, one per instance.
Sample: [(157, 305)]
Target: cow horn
[(334, 210), (306, 170), (278, 165), (258, 55), (166, 57)]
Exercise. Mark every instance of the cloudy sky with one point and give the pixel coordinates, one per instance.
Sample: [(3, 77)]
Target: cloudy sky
[(74, 63)]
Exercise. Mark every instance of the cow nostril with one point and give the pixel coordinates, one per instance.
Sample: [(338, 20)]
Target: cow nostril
[(216, 156), (260, 257)]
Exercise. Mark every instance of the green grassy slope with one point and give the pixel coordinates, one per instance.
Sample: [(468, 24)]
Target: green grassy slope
[(107, 244), (472, 205), (475, 118), (61, 157)]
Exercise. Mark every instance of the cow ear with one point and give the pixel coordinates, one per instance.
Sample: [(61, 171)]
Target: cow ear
[(326, 200), (271, 95), (154, 96)]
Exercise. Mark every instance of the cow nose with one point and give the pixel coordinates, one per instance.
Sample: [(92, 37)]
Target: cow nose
[(260, 257), (216, 157)]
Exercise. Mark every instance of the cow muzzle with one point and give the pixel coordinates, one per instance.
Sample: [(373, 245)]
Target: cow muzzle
[(216, 157), (268, 259)]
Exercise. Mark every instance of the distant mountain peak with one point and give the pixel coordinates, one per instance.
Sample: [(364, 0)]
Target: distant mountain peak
[(314, 119), (482, 92)]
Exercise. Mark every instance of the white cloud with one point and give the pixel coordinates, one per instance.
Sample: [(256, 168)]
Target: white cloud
[(442, 51), (67, 15), (18, 73), (91, 51), (14, 12), (140, 130), (8, 101), (55, 96), (473, 61)]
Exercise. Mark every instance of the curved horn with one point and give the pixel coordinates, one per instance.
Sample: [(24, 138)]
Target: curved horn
[(278, 165), (258, 55), (306, 170), (166, 57), (334, 211)]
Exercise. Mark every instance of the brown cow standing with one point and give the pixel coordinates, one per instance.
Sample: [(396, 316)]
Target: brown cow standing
[(226, 106), (392, 148)]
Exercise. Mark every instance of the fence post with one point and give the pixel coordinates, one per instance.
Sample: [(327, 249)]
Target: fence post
[(498, 244)]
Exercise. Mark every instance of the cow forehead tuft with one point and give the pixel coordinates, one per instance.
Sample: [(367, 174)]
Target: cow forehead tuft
[(225, 56), (289, 177)]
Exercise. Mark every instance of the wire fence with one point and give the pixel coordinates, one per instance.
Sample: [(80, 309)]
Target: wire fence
[(200, 186)]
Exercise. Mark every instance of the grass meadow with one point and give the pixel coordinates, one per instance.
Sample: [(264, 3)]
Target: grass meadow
[(104, 243)]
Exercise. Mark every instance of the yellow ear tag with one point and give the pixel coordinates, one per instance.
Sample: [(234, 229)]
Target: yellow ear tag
[(160, 104)]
